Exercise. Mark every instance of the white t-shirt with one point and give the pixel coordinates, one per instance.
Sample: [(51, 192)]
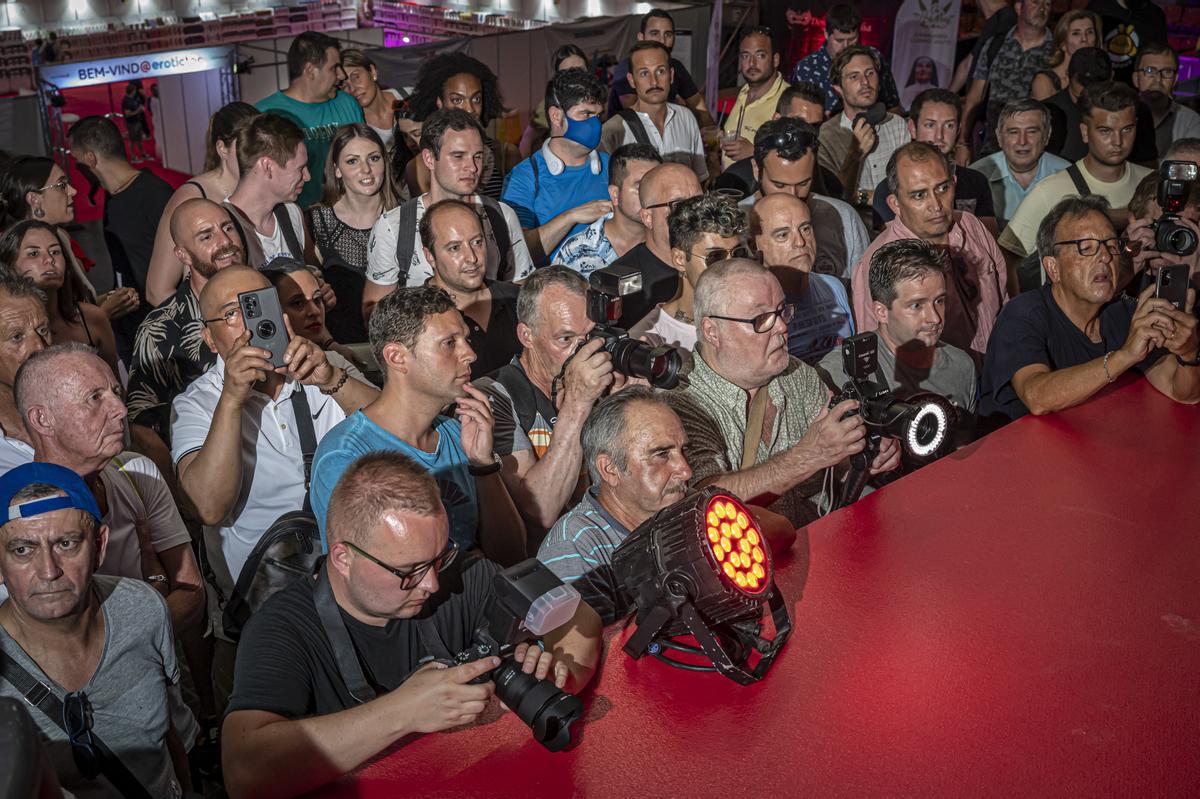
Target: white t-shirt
[(13, 452), (276, 245), (272, 466), (383, 270), (386, 134), (658, 328)]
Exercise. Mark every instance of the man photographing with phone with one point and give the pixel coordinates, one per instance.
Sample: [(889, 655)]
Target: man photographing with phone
[(1055, 347)]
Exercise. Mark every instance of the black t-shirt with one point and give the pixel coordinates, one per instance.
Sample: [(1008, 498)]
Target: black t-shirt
[(1067, 142), (1032, 329), (660, 282), (971, 194), (682, 85), (498, 344), (130, 224), (1128, 30), (1000, 22), (285, 662)]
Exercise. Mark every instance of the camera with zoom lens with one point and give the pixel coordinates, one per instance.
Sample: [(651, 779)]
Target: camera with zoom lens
[(1176, 181), (921, 423), (660, 366), (527, 601)]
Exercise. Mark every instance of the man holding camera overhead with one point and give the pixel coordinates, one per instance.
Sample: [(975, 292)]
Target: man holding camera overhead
[(757, 420), (334, 670)]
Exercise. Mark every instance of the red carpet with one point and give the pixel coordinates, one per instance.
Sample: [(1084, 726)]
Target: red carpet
[(90, 100)]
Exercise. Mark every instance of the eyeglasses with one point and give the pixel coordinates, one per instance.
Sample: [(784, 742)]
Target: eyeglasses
[(1166, 73), (718, 254), (77, 720), (411, 577), (764, 321), (58, 185), (232, 318), (670, 205), (1115, 246)]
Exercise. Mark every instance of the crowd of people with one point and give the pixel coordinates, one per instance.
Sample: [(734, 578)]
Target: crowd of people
[(446, 403)]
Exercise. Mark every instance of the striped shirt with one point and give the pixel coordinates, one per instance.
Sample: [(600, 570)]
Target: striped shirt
[(579, 550)]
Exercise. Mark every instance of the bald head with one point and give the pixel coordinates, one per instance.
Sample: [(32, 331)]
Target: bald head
[(206, 239), (668, 182), (223, 288), (781, 227), (40, 380)]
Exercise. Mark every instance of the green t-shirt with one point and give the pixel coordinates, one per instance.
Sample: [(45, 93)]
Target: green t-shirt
[(319, 121)]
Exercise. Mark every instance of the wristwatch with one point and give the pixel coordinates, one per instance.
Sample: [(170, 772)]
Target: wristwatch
[(484, 471)]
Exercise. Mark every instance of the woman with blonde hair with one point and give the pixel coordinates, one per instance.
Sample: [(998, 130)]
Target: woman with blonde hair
[(217, 182), (1077, 28), (358, 190)]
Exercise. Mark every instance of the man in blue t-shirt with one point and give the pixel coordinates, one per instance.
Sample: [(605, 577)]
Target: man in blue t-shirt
[(313, 102), (782, 229), (563, 187), (1054, 348), (419, 340)]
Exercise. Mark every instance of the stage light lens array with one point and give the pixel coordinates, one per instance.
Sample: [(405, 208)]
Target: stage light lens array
[(736, 545)]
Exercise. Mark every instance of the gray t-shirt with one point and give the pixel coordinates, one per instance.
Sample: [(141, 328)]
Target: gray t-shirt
[(127, 692), (952, 374), (579, 549)]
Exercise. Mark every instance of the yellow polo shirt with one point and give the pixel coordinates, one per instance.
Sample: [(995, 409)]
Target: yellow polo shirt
[(756, 114)]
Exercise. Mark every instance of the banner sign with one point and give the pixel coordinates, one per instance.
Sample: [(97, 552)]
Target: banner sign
[(712, 54), (926, 34), (142, 65)]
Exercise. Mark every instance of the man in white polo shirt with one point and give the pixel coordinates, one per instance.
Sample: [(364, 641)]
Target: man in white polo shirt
[(669, 128), (234, 437)]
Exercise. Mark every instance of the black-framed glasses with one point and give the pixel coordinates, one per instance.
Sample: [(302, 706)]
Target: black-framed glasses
[(670, 205), (1091, 246), (1166, 73), (59, 185), (718, 254), (231, 318), (764, 321), (77, 720), (412, 576)]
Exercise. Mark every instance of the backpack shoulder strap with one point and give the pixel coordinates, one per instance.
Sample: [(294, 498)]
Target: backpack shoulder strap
[(308, 437), (499, 225), (290, 237), (1081, 185), (406, 240), (635, 125)]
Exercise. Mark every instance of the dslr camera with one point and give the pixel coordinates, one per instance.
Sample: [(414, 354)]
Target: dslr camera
[(528, 601), (1176, 181), (921, 423), (659, 366)]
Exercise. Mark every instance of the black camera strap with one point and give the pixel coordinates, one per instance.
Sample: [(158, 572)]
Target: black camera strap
[(344, 653), (39, 695), (1076, 176), (308, 439)]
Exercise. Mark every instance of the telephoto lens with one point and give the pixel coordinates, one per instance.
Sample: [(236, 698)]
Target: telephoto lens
[(1172, 237), (659, 366), (548, 711)]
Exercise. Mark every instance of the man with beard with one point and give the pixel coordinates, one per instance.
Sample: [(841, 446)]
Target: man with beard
[(758, 63), (923, 201), (169, 351), (843, 24), (452, 235), (1055, 347), (781, 228), (850, 145), (633, 447), (1155, 76), (908, 301), (1109, 128)]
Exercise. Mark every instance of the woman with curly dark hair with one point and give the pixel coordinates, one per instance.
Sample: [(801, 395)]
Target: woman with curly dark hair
[(456, 80)]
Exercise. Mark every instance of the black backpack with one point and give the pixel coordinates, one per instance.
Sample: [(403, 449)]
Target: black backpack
[(406, 238), (290, 548)]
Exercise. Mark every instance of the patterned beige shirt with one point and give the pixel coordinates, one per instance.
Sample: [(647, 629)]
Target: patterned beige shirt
[(713, 412)]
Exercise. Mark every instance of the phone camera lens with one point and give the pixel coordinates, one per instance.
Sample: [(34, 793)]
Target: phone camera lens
[(266, 329)]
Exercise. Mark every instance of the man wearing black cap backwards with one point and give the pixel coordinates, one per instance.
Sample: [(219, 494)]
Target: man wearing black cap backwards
[(92, 654)]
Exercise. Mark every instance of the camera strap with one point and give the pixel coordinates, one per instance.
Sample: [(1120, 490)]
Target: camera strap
[(754, 426), (1076, 176), (344, 653)]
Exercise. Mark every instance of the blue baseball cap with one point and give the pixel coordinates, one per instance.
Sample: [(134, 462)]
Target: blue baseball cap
[(78, 495)]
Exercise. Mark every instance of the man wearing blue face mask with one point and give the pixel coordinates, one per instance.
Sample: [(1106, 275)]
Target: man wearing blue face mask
[(563, 187)]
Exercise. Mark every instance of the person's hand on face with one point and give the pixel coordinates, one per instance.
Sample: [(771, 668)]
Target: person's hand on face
[(474, 412)]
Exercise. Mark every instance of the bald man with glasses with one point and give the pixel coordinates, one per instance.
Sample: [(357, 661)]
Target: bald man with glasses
[(743, 362)]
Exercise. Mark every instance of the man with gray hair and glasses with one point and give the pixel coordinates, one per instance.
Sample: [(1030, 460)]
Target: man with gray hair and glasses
[(744, 385), (1023, 132), (1055, 347)]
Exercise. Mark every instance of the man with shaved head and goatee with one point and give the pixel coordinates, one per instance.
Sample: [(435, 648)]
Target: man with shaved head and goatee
[(169, 352)]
